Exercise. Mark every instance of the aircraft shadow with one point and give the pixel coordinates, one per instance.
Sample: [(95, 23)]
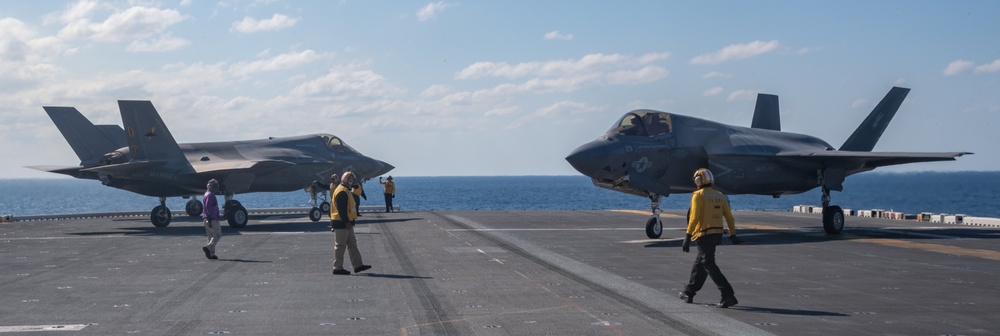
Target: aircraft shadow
[(780, 311)]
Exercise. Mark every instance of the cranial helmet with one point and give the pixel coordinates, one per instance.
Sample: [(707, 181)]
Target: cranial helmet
[(213, 184), (703, 176), (348, 178)]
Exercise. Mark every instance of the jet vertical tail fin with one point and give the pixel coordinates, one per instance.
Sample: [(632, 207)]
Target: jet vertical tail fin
[(765, 114), (867, 134), (147, 135), (88, 141)]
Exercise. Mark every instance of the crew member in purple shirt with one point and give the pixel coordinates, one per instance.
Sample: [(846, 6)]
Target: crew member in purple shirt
[(211, 216)]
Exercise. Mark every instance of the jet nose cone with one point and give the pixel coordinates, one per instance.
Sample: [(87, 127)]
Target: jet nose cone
[(589, 159), (386, 167)]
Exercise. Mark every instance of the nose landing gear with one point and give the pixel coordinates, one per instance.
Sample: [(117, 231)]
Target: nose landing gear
[(654, 227)]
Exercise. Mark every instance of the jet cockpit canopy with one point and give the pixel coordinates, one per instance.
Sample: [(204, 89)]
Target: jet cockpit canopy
[(647, 123), (334, 144)]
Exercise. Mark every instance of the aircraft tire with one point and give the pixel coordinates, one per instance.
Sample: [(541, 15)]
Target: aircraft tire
[(833, 219), (237, 216), (315, 214), (654, 228), (193, 208), (160, 216), (324, 207)]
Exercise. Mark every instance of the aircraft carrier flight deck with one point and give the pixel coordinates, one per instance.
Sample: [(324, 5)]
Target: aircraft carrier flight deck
[(496, 273)]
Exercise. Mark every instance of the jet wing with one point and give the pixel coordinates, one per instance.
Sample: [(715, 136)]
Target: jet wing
[(125, 168), (74, 171), (871, 160)]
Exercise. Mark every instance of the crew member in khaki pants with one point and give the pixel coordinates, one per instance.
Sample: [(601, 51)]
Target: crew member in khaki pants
[(342, 216)]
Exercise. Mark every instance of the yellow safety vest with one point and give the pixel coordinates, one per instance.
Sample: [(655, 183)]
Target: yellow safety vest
[(352, 214), (390, 187), (708, 208)]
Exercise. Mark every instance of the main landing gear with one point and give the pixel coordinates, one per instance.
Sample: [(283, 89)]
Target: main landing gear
[(654, 227), (235, 213), (833, 216), (160, 216), (232, 210), (193, 207)]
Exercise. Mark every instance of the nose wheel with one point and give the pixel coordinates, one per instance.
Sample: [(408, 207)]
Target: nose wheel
[(654, 227)]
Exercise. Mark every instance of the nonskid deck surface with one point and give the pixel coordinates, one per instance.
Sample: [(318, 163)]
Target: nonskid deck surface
[(496, 273)]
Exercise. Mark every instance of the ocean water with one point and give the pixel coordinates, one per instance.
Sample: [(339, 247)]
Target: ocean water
[(970, 193)]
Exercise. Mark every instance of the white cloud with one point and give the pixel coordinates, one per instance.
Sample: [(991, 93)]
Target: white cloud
[(278, 62), (431, 10), (164, 43), (736, 52), (957, 67), (134, 23), (992, 67), (716, 74), (588, 63), (347, 83), (750, 95), (25, 57), (645, 75), (435, 90), (858, 102), (712, 92), (501, 111), (562, 75), (251, 25), (555, 35)]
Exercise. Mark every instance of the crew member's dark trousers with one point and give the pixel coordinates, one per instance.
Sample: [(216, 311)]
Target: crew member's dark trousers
[(357, 204), (705, 266), (388, 202)]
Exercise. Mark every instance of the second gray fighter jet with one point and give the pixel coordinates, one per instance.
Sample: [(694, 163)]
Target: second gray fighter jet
[(654, 154)]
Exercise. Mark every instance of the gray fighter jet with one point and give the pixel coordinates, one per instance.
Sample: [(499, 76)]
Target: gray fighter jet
[(654, 154), (143, 158)]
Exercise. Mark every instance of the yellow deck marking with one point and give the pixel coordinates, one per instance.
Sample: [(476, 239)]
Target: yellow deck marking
[(641, 212), (992, 255), (985, 254)]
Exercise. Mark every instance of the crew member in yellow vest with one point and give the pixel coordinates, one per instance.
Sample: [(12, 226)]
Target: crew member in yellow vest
[(708, 208), (389, 191), (343, 213)]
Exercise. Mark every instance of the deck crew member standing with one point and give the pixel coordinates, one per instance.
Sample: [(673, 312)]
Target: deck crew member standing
[(210, 213), (389, 191), (342, 217), (359, 192), (708, 208)]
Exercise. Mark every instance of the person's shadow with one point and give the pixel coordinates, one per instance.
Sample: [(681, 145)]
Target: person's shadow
[(393, 276), (781, 311)]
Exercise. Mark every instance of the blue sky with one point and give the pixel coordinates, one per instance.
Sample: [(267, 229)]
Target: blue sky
[(497, 87)]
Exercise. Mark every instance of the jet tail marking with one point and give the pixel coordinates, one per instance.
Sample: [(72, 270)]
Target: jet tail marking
[(88, 141), (765, 113), (867, 134), (148, 137)]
